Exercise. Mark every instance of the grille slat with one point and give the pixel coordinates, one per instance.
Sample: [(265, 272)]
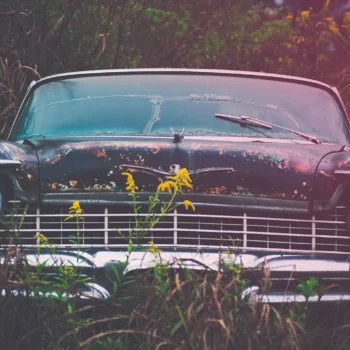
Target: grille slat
[(205, 228)]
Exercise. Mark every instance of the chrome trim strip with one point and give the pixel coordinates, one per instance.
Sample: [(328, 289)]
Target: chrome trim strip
[(9, 162), (245, 230), (257, 233), (196, 138), (106, 216), (313, 232), (344, 109), (195, 248), (179, 71), (192, 215), (175, 226), (297, 263), (288, 297), (37, 224), (250, 139), (94, 291), (342, 172)]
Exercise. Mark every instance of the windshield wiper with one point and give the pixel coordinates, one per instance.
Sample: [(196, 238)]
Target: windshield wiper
[(244, 120)]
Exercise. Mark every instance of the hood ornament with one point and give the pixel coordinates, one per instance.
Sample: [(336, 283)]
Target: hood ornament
[(178, 137), (174, 169)]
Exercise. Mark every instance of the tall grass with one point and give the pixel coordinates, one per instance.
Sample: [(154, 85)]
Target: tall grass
[(167, 307), (14, 80)]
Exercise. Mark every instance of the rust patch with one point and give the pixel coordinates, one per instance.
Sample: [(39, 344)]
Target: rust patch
[(302, 167), (218, 190), (283, 164), (101, 153)]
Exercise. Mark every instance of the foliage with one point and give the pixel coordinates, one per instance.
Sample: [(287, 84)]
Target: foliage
[(69, 35), (309, 288)]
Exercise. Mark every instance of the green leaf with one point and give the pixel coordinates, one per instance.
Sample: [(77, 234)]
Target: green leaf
[(70, 308), (130, 245)]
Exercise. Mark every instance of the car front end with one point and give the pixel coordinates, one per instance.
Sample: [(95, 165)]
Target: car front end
[(265, 194)]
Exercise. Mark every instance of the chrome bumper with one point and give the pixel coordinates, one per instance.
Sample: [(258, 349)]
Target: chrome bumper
[(285, 271)]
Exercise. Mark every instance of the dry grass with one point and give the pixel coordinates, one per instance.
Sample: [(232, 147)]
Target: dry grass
[(14, 80), (165, 307)]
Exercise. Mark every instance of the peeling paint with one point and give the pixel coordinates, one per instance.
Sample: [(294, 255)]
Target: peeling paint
[(283, 171), (27, 173)]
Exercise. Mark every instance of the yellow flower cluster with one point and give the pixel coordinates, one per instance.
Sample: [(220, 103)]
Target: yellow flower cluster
[(305, 15), (236, 269), (177, 182), (188, 204), (168, 186), (130, 183), (42, 239), (153, 248), (75, 210), (182, 178), (68, 270), (346, 17), (173, 185)]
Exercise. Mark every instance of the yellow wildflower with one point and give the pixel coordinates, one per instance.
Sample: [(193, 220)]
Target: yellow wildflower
[(75, 208), (346, 17), (68, 269), (42, 239), (236, 269), (130, 183), (182, 178), (305, 15), (153, 248), (333, 27), (188, 203), (167, 186)]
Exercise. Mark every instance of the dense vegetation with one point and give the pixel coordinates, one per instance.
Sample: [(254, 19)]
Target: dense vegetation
[(40, 37)]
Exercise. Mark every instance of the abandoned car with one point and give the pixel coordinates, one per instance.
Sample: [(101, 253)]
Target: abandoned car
[(268, 156)]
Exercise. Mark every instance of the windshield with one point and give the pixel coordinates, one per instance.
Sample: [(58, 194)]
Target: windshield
[(152, 104)]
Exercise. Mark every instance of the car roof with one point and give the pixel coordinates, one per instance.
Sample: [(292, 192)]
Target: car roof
[(186, 71), (219, 72)]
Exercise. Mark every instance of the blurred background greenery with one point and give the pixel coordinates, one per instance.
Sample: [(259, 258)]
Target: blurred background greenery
[(308, 38)]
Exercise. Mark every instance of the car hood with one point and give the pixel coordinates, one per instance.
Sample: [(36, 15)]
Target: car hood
[(227, 166)]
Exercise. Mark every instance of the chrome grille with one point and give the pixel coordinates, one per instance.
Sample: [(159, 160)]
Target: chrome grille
[(205, 228)]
